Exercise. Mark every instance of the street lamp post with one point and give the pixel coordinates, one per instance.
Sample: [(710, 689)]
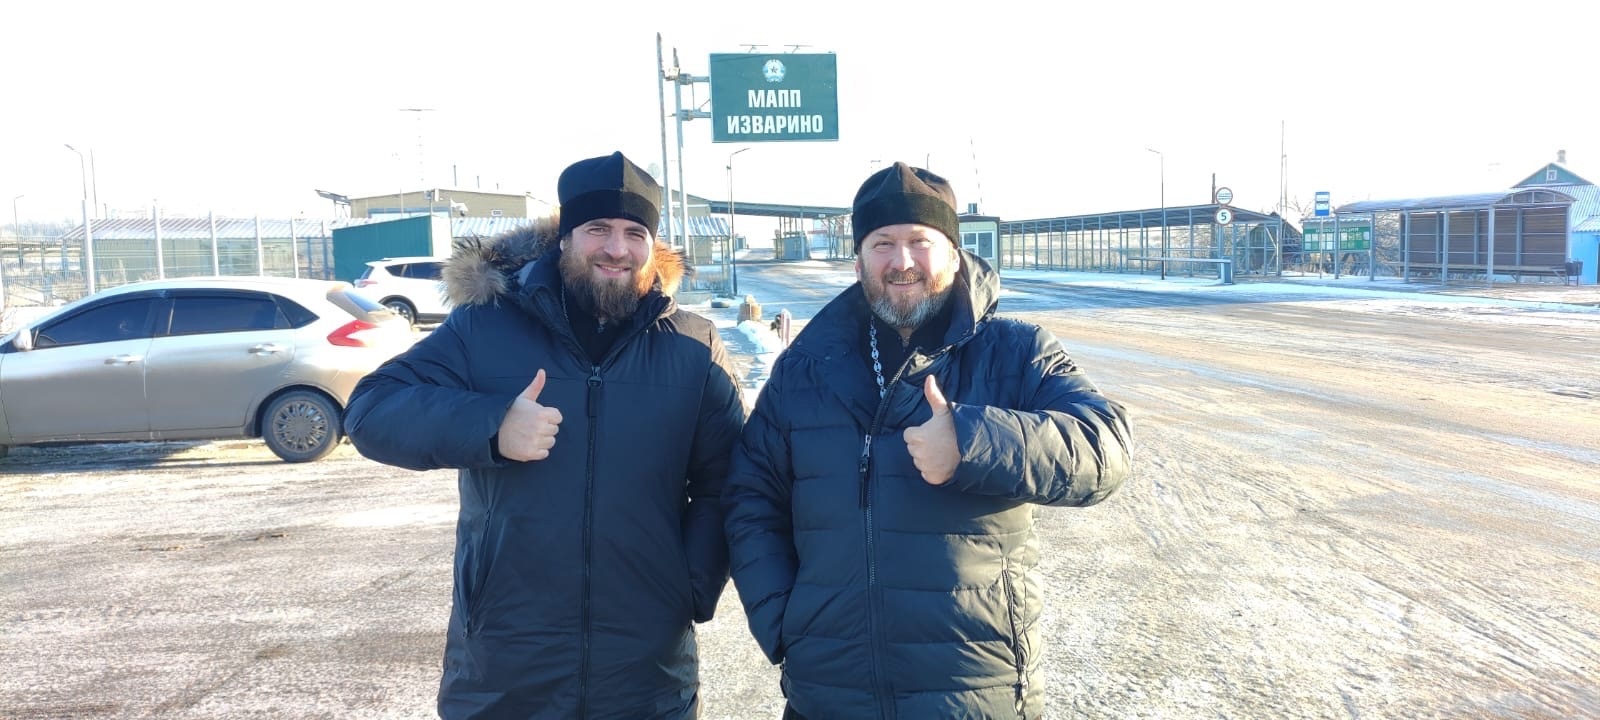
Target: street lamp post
[(16, 228), (88, 236), (1163, 159), (16, 235), (733, 261)]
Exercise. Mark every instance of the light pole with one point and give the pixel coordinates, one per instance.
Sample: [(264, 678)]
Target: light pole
[(83, 173), (16, 233), (1163, 159), (16, 229), (88, 237), (733, 262)]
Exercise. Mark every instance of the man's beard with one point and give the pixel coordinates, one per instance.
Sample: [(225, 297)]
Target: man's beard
[(609, 299), (911, 314)]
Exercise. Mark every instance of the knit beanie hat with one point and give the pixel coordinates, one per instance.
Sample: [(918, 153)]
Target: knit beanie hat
[(904, 194), (608, 187)]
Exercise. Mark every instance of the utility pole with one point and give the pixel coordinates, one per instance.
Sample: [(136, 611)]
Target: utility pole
[(666, 172), (680, 79)]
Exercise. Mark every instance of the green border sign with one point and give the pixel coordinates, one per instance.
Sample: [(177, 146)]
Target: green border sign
[(758, 97)]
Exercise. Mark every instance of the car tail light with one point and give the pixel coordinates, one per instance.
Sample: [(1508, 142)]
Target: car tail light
[(349, 334), (363, 282)]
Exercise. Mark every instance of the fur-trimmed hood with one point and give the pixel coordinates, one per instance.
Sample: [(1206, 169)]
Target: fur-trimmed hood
[(482, 270)]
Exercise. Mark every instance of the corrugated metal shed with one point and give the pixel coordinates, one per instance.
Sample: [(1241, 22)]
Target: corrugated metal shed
[(1428, 204), (485, 227), (1585, 215)]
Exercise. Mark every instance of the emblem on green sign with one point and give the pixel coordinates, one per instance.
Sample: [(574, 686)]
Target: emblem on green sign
[(773, 70)]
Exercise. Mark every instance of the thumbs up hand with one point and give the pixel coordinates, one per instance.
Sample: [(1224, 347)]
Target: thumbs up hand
[(933, 444), (528, 430)]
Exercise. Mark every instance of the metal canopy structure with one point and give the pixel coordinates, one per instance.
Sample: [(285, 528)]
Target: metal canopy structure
[(1250, 243), (1475, 237), (776, 210), (1176, 216), (1527, 197), (796, 223)]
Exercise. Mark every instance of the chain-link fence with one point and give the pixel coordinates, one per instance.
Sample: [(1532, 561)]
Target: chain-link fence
[(51, 267)]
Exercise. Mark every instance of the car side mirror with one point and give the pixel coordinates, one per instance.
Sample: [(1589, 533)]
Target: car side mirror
[(23, 342)]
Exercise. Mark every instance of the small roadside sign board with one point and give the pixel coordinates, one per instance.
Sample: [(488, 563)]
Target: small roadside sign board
[(1353, 235), (1224, 196), (1323, 204), (1224, 216)]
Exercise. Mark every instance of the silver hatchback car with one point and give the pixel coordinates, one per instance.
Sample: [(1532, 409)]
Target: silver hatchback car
[(196, 359)]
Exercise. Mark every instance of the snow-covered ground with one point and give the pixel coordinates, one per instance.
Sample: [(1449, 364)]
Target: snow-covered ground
[(1350, 500)]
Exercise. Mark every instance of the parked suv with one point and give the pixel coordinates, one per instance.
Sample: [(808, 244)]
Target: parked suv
[(196, 359), (410, 286)]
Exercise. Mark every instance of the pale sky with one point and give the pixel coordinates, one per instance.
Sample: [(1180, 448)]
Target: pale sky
[(1030, 109)]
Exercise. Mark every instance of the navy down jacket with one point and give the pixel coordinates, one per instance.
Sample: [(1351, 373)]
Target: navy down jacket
[(881, 595), (577, 577)]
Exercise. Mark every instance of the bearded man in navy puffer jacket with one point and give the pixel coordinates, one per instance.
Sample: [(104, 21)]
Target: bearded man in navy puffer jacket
[(881, 503), (592, 421)]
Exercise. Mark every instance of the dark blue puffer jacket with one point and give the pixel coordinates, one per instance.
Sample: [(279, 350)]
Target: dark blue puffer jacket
[(577, 576), (884, 596)]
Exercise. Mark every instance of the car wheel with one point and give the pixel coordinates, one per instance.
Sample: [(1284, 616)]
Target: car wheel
[(301, 426), (403, 309)]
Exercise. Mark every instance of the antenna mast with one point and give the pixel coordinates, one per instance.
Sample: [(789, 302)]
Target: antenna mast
[(976, 178), (1283, 171), (422, 176)]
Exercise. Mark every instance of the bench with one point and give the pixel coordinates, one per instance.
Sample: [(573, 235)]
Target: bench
[(1224, 265), (1517, 272)]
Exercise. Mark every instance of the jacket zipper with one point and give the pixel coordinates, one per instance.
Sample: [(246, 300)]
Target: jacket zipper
[(470, 594), (884, 709), (588, 537), (1016, 635), (564, 331), (885, 695)]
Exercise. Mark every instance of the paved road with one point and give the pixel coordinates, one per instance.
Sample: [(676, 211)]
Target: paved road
[(1339, 511)]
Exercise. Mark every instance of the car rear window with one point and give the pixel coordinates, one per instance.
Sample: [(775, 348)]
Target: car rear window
[(355, 304), (298, 315), (424, 270)]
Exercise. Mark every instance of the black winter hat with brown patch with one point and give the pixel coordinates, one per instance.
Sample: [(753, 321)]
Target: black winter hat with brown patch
[(904, 194), (610, 186)]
